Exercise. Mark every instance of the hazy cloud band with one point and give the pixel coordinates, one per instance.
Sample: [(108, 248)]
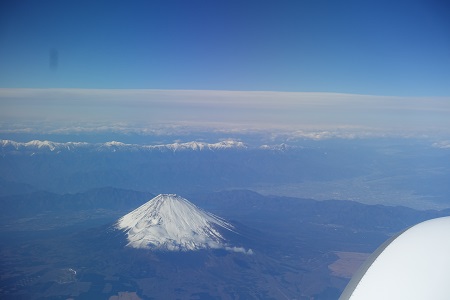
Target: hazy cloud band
[(244, 109)]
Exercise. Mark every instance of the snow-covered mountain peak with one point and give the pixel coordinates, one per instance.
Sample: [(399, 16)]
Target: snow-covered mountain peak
[(170, 222), (115, 143)]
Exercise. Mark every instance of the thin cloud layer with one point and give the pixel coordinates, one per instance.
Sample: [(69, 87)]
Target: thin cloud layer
[(256, 110)]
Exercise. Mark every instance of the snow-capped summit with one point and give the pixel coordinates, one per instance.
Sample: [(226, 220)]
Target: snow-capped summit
[(170, 222)]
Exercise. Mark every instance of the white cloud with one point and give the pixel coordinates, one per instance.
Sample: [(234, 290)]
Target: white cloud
[(317, 115), (239, 250), (442, 145)]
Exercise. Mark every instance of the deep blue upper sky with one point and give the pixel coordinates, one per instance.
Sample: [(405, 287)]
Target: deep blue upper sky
[(367, 47)]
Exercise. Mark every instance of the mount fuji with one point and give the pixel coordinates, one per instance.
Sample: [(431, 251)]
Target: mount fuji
[(171, 223)]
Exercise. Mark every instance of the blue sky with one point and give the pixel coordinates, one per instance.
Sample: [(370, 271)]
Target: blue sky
[(396, 48)]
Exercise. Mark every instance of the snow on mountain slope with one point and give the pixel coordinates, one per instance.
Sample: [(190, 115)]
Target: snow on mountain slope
[(203, 146), (170, 222), (113, 146), (36, 145)]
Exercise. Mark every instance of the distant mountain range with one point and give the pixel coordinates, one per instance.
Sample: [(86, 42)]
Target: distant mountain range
[(180, 167), (8, 146), (373, 171), (242, 206), (38, 202)]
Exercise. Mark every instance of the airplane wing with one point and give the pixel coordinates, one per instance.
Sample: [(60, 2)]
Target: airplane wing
[(413, 265)]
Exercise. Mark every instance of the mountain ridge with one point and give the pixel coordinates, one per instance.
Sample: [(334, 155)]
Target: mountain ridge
[(9, 146)]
